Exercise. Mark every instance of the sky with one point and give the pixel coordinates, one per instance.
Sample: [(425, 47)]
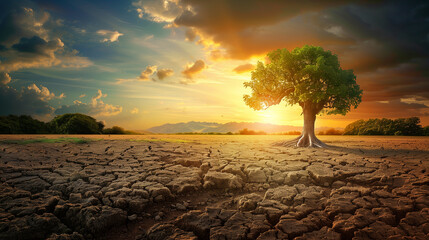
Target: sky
[(143, 63)]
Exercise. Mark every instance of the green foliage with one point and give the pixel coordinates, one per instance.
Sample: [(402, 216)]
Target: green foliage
[(251, 132), (399, 127), (309, 76), (75, 123), (22, 125), (114, 130), (426, 131)]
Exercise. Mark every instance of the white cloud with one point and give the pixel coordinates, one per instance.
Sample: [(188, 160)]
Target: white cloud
[(4, 78), (337, 31), (110, 36), (31, 100), (158, 11), (147, 73), (44, 93), (95, 108)]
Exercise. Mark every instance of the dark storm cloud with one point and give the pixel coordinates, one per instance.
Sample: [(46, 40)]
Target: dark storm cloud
[(30, 100), (226, 16), (22, 22), (27, 102), (385, 109), (390, 34), (366, 36), (386, 42), (404, 80), (28, 40), (36, 45)]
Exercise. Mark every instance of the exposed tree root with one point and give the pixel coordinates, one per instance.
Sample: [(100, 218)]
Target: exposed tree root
[(305, 140)]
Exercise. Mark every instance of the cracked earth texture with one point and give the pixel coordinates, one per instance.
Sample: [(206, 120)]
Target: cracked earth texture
[(215, 187)]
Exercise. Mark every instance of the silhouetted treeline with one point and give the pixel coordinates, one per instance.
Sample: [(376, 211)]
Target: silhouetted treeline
[(400, 127), (331, 131), (207, 133), (288, 133), (22, 125), (70, 123), (114, 130), (251, 132), (118, 130)]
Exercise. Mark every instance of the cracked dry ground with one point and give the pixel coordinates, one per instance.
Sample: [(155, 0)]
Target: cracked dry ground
[(216, 187)]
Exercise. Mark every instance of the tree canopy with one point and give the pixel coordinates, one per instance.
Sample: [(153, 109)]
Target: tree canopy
[(114, 130), (22, 125), (76, 123), (70, 123), (401, 126), (308, 76)]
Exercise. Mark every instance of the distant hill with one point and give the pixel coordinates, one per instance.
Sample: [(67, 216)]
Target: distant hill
[(206, 127)]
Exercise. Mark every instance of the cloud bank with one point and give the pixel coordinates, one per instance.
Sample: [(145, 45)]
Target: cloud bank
[(30, 100), (26, 41), (384, 42), (96, 107)]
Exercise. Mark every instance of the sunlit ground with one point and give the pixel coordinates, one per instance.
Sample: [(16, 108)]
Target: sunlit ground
[(385, 142)]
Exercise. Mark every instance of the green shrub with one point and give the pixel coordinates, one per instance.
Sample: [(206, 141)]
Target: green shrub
[(251, 132), (76, 123), (22, 125), (399, 127), (114, 130)]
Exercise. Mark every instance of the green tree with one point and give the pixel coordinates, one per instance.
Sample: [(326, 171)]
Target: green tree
[(426, 131), (114, 130), (22, 125), (401, 126), (308, 76), (76, 123)]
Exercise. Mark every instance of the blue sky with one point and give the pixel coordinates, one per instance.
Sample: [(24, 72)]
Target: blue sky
[(143, 63)]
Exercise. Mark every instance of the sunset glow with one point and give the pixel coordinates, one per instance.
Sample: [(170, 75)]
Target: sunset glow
[(144, 63)]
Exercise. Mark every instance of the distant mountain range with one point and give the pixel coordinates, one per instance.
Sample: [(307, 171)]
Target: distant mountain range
[(206, 127)]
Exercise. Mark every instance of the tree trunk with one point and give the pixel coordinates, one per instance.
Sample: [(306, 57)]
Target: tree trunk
[(307, 137)]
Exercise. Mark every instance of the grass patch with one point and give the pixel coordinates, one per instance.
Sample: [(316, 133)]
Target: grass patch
[(162, 140), (49, 140)]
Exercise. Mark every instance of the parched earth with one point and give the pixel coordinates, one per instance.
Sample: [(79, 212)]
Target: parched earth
[(215, 187)]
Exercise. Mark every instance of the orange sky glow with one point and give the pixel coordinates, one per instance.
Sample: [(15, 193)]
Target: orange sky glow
[(151, 62)]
